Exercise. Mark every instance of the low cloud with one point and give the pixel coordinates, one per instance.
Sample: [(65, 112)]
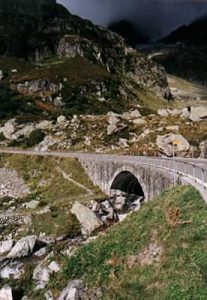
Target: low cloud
[(155, 18)]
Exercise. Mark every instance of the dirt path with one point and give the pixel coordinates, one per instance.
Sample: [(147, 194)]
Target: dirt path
[(69, 178)]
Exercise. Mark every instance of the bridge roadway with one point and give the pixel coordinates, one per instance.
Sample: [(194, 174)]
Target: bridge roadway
[(189, 170)]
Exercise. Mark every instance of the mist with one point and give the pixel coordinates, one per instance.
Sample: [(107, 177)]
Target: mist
[(154, 18)]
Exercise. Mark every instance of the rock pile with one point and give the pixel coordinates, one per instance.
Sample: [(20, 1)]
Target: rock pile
[(107, 212)]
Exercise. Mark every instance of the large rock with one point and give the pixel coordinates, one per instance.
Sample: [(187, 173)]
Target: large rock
[(111, 129), (6, 293), (120, 202), (11, 270), (165, 144), (23, 131), (87, 218), (44, 125), (9, 128), (169, 112), (73, 291), (61, 120), (12, 185), (6, 246), (139, 122), (198, 114), (195, 114), (12, 131), (24, 247), (113, 120), (131, 115)]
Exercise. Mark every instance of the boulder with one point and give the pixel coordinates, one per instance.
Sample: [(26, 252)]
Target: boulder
[(131, 115), (23, 130), (163, 112), (54, 267), (169, 112), (106, 212), (195, 114), (139, 122), (185, 113), (119, 202), (24, 247), (12, 270), (31, 205), (48, 142), (12, 185), (165, 144), (198, 114), (6, 246), (73, 291), (175, 112), (43, 271), (9, 128), (45, 125), (6, 293), (123, 143), (87, 218), (113, 120), (61, 120), (41, 275), (111, 129)]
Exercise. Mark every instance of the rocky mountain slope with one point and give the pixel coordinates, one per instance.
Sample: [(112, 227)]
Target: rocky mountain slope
[(184, 52), (62, 62), (67, 84)]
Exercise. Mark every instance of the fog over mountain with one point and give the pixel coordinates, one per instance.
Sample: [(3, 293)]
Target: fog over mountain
[(154, 18)]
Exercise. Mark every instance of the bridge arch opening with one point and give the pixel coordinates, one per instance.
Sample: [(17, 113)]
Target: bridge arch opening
[(128, 183)]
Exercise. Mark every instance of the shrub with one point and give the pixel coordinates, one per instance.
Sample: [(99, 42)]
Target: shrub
[(2, 137), (34, 138)]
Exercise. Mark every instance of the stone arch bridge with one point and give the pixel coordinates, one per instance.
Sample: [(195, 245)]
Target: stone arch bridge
[(127, 176), (142, 176)]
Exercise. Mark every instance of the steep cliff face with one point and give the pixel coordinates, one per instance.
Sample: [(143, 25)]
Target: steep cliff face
[(47, 36)]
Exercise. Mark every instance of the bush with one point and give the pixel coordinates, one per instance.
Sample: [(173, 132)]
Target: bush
[(2, 137), (34, 138)]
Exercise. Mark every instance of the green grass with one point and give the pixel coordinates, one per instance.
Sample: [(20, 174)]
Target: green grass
[(180, 273), (57, 192), (76, 70)]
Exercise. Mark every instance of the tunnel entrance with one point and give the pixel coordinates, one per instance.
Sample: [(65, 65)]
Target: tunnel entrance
[(126, 182)]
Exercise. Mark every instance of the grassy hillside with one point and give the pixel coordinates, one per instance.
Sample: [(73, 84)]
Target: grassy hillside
[(47, 184), (158, 253)]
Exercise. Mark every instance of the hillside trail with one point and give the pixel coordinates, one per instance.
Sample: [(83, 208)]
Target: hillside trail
[(69, 178)]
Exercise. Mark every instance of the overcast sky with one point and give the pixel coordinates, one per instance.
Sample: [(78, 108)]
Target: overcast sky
[(155, 17)]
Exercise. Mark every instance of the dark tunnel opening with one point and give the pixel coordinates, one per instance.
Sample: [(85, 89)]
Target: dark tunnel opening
[(127, 183)]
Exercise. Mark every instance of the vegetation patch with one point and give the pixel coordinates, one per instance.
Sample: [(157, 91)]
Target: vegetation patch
[(55, 194), (178, 268)]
